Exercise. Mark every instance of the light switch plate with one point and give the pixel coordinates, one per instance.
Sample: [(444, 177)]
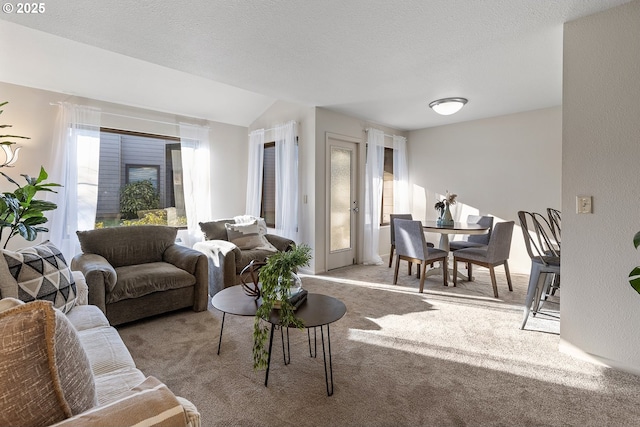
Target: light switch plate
[(583, 205)]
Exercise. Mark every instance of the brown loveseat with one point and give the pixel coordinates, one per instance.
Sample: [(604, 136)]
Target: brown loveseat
[(229, 255), (139, 271)]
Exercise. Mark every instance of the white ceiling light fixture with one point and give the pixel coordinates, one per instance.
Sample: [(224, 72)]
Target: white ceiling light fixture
[(448, 106)]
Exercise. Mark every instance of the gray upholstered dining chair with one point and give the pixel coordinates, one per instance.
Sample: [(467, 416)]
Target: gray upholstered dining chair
[(475, 240), (392, 234), (545, 259), (411, 246), (494, 254)]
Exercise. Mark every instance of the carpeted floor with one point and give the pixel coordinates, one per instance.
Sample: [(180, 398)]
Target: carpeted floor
[(450, 356)]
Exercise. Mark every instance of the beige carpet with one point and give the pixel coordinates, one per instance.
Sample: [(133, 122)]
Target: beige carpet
[(450, 356)]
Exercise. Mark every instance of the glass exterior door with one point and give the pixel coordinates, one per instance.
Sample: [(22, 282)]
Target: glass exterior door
[(343, 206)]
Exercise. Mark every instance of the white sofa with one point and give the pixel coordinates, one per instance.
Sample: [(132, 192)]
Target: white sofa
[(123, 394)]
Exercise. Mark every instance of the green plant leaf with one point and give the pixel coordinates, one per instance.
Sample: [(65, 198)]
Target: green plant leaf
[(636, 240), (634, 279)]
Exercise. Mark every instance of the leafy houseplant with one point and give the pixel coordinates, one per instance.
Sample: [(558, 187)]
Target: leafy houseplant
[(276, 278), (20, 211), (634, 276)]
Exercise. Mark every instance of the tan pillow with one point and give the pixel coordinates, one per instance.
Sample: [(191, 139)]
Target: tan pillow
[(41, 272), (262, 230), (148, 404), (45, 375), (244, 236)]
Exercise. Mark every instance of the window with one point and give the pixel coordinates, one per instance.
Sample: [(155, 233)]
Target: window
[(387, 187), (268, 206), (127, 159)]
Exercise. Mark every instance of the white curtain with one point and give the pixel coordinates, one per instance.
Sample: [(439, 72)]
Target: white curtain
[(254, 175), (373, 196), (196, 181), (400, 175), (286, 181), (75, 154)]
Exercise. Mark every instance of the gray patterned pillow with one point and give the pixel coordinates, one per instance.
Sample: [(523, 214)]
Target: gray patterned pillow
[(244, 236), (42, 273)]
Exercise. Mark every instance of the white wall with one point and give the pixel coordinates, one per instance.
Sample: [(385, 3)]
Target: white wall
[(497, 166), (30, 113), (601, 147)]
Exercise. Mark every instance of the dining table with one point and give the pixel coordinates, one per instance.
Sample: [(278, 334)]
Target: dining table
[(446, 230)]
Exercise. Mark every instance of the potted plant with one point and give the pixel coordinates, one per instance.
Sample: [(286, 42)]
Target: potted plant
[(442, 206), (277, 278), (20, 211)]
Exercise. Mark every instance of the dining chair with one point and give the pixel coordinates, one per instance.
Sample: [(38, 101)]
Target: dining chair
[(492, 255), (392, 218), (474, 240), (411, 246), (555, 221), (545, 259)]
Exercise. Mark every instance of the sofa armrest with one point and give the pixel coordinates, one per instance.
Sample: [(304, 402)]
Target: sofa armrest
[(282, 244), (182, 257), (101, 277), (193, 262), (151, 404), (82, 289)]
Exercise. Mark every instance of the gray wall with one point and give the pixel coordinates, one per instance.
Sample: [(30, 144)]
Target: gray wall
[(601, 147)]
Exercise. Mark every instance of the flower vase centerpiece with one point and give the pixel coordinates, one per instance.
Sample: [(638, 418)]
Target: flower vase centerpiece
[(442, 206), (281, 289)]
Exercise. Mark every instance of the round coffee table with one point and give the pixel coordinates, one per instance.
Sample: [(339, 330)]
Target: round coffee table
[(234, 300), (317, 311)]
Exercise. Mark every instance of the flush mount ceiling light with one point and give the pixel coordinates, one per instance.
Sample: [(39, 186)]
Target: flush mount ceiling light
[(447, 106)]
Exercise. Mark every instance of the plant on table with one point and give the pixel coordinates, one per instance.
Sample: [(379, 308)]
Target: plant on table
[(276, 279), (449, 199)]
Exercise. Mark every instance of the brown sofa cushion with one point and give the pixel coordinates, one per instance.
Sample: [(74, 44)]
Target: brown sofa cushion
[(139, 280), (122, 246), (45, 375)]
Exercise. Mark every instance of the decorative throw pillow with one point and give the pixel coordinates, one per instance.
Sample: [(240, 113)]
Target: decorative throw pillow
[(262, 230), (45, 374), (41, 273), (244, 236)]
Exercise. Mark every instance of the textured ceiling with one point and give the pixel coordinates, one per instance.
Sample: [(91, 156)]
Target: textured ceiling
[(379, 60)]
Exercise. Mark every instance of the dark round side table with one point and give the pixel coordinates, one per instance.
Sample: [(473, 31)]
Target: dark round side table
[(234, 300), (317, 311)]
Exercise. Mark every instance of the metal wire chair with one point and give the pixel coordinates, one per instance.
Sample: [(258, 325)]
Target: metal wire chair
[(544, 252)]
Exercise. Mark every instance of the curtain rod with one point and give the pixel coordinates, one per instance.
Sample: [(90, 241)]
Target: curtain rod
[(386, 134), (137, 118)]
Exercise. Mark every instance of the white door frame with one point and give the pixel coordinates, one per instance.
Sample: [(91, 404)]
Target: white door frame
[(359, 162)]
